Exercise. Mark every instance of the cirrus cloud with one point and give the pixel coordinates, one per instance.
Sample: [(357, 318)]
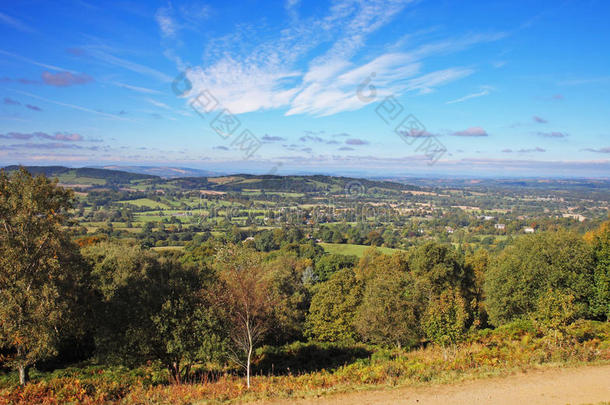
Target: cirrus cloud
[(276, 73)]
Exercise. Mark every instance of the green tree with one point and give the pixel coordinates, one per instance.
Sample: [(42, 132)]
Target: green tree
[(385, 315), (329, 264), (290, 296), (599, 239), (187, 328), (152, 308), (43, 276), (445, 319), (515, 281), (555, 310), (478, 263), (438, 267), (333, 308)]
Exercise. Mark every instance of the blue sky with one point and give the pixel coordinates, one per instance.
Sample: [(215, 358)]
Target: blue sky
[(497, 88)]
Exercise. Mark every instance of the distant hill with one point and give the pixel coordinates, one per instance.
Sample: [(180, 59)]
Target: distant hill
[(102, 177), (84, 175), (312, 183), (165, 171)]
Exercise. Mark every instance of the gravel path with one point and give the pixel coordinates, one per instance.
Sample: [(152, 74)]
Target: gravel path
[(582, 385)]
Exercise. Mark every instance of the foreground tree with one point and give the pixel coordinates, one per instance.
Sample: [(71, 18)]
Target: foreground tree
[(290, 296), (186, 326), (152, 308), (445, 319), (599, 239), (245, 296), (385, 316), (333, 309), (42, 276), (558, 261)]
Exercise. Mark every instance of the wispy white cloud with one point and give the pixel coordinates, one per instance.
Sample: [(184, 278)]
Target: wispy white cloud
[(166, 22), (33, 62), (486, 91), (246, 76), (15, 23), (136, 88), (106, 57), (158, 103), (425, 84), (73, 106)]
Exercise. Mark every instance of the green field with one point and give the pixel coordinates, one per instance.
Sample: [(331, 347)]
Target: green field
[(72, 178), (146, 202), (356, 250)]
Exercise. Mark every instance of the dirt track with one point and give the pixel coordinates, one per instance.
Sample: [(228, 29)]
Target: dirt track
[(583, 385)]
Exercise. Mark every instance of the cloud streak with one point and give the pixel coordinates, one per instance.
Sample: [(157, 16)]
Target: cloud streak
[(15, 23), (73, 106), (33, 62), (484, 92)]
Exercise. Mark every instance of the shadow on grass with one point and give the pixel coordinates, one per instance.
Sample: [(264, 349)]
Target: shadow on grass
[(298, 358)]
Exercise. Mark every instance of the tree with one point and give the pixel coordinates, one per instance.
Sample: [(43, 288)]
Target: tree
[(291, 297), (153, 308), (445, 319), (42, 277), (478, 264), (440, 267), (435, 270), (516, 280), (331, 263), (333, 308), (555, 310), (385, 316), (244, 293), (127, 298), (599, 240), (186, 327)]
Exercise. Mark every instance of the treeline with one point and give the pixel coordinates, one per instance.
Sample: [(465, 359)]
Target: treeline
[(214, 303)]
